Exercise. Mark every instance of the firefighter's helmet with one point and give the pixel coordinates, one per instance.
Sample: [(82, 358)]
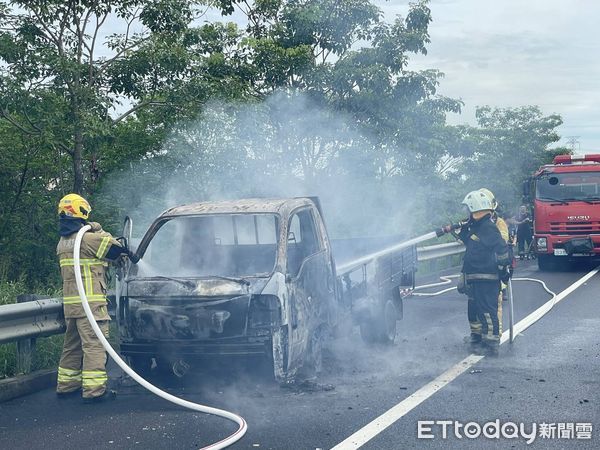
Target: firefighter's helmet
[(491, 196), (74, 205), (477, 201)]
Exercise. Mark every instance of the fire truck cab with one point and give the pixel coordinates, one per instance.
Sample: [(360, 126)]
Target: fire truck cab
[(566, 204)]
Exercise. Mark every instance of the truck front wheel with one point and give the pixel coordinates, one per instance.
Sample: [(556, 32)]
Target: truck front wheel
[(546, 263)]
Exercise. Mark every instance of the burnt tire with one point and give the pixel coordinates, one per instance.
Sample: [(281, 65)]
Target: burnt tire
[(389, 322), (382, 328), (141, 364)]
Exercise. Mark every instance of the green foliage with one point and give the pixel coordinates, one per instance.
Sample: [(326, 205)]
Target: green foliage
[(510, 144)]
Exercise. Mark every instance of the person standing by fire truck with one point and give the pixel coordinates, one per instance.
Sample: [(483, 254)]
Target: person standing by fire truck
[(82, 363), (524, 234), (486, 263)]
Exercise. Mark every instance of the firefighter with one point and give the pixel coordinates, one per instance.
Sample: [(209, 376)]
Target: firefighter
[(486, 263), (82, 363), (503, 229)]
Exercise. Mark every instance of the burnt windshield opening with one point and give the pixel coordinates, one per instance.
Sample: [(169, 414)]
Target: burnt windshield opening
[(580, 186), (220, 245)]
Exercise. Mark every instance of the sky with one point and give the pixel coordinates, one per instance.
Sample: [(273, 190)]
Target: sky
[(512, 53)]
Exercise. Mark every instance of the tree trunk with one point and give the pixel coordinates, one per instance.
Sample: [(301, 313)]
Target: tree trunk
[(77, 159), (77, 139)]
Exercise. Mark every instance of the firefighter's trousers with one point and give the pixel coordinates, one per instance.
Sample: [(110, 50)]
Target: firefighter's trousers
[(484, 309), (83, 360)]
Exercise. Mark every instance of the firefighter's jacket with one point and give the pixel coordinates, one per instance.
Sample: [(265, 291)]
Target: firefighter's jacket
[(502, 228), (486, 250), (97, 248)]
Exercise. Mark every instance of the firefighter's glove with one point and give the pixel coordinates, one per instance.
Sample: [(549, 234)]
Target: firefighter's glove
[(132, 256), (96, 227), (449, 228), (505, 273), (460, 225)]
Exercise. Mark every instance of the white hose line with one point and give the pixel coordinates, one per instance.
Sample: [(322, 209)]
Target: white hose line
[(447, 279), (171, 398), (535, 280), (433, 294), (539, 314)]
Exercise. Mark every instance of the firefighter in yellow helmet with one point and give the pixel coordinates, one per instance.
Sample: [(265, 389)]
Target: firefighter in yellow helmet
[(485, 263), (82, 364)]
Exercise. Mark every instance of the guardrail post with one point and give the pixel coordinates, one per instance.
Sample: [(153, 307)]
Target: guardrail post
[(26, 347)]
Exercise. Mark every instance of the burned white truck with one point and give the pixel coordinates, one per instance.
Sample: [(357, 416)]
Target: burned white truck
[(254, 277)]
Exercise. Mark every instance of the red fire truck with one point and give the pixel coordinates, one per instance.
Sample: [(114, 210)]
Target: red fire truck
[(566, 202)]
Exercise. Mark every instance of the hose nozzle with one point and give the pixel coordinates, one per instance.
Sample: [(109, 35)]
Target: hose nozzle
[(448, 228)]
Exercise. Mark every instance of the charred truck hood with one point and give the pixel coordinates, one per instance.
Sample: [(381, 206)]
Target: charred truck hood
[(200, 309)]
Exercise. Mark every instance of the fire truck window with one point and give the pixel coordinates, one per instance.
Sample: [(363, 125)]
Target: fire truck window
[(568, 186)]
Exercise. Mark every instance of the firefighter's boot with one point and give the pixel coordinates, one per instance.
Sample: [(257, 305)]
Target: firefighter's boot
[(491, 347), (474, 341)]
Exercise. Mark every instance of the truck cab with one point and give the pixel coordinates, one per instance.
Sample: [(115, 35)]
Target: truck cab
[(248, 277), (567, 209)]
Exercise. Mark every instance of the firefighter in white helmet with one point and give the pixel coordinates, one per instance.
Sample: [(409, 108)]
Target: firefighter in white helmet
[(82, 368), (486, 263), (503, 229)]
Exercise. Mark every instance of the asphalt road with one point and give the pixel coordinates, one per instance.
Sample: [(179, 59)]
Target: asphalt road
[(549, 375)]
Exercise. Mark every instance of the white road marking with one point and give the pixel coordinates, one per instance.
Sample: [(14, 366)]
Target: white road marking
[(536, 315), (372, 429)]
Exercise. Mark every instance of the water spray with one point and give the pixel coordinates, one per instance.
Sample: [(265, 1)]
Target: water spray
[(365, 259), (402, 245), (165, 395)]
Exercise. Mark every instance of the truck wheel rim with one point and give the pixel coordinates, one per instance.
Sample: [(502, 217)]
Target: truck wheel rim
[(390, 320)]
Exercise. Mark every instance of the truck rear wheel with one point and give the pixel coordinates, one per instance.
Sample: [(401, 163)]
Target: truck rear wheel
[(382, 328)]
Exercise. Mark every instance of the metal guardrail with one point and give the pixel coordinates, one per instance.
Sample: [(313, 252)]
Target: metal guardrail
[(439, 251), (31, 319)]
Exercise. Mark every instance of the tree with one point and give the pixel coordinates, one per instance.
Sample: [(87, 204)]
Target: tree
[(510, 144), (58, 83), (349, 60)]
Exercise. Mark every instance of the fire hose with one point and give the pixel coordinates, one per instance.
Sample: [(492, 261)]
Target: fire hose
[(447, 279), (165, 395)]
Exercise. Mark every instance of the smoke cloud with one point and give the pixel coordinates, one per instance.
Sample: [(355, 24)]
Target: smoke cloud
[(286, 146)]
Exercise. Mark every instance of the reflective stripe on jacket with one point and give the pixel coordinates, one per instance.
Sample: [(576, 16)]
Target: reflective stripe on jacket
[(94, 247)]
